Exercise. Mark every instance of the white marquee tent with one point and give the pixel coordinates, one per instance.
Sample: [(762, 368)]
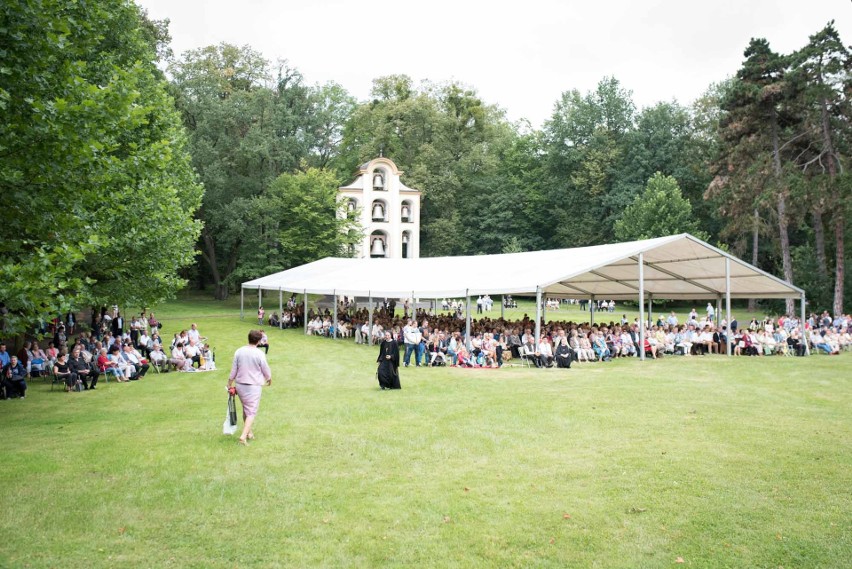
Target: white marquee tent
[(673, 267)]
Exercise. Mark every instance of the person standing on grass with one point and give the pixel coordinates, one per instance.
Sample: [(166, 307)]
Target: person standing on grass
[(388, 360), (260, 313), (249, 373)]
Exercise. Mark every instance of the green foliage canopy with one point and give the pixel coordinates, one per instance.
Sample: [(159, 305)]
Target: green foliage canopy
[(297, 220), (95, 182), (659, 211)]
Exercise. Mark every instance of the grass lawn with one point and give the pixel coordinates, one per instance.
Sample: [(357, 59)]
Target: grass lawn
[(717, 462)]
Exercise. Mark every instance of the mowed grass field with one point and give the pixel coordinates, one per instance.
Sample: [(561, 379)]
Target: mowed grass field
[(694, 462)]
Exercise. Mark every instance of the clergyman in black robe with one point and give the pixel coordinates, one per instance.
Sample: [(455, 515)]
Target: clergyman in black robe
[(563, 352), (388, 360)]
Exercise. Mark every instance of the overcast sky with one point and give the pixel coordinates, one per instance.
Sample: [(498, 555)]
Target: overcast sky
[(518, 55)]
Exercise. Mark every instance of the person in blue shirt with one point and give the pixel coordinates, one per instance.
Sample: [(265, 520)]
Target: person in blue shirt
[(4, 355)]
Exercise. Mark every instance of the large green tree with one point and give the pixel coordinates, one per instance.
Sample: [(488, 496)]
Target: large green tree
[(587, 140), (659, 211), (296, 220), (249, 122), (758, 126), (96, 188), (822, 77)]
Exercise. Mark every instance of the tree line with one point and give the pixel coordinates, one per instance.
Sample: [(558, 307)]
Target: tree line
[(127, 171), (756, 165)]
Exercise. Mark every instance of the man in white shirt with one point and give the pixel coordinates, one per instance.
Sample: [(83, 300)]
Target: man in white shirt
[(411, 336), (545, 352), (192, 352), (194, 334)]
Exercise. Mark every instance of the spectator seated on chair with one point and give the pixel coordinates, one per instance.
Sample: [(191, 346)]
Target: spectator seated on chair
[(14, 378), (192, 352), (179, 359), (545, 352), (134, 358), (63, 372), (440, 349), (599, 346), (87, 374), (453, 347), (158, 358), (530, 353), (127, 370), (39, 361), (464, 357), (563, 355), (108, 367)]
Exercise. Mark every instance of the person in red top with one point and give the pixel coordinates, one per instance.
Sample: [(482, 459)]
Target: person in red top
[(108, 367)]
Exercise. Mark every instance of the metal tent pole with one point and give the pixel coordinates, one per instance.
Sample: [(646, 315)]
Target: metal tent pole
[(502, 306), (370, 318), (804, 330), (728, 332), (242, 302), (334, 315), (468, 343), (280, 309), (305, 310), (592, 310), (718, 323), (641, 307)]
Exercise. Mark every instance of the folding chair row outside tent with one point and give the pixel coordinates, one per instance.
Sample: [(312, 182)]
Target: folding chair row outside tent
[(675, 267)]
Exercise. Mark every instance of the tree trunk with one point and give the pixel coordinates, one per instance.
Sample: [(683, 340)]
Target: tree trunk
[(781, 207), (840, 262), (839, 219), (755, 238), (787, 260), (819, 237), (209, 254)]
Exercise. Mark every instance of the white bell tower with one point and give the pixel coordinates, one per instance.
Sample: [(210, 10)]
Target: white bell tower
[(387, 210)]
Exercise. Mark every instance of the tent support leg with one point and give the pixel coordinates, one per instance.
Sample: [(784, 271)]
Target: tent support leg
[(280, 309), (334, 315), (592, 311), (242, 302), (641, 346), (305, 311), (805, 338), (370, 318), (467, 340), (728, 332), (717, 325)]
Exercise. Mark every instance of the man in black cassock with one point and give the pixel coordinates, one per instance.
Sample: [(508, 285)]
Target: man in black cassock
[(388, 360)]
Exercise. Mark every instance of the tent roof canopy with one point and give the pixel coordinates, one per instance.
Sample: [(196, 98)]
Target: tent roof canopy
[(675, 267)]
